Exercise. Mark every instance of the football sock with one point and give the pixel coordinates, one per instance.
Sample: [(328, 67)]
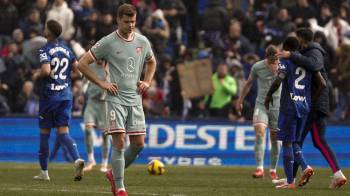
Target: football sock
[(338, 174), (295, 169), (54, 152), (298, 156), (106, 144), (288, 160), (44, 150), (89, 142), (275, 153), (71, 146), (118, 164), (131, 154), (259, 150)]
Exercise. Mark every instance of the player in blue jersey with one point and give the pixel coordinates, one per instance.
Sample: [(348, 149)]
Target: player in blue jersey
[(57, 62), (311, 56), (294, 107)]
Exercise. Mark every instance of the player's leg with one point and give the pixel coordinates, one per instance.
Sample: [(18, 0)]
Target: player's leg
[(106, 144), (45, 125), (89, 146), (275, 144), (62, 118), (136, 145), (116, 115), (301, 140), (136, 132), (44, 154), (286, 134), (319, 140), (260, 121)]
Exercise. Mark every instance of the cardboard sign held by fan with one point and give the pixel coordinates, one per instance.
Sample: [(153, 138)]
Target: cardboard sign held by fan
[(195, 78)]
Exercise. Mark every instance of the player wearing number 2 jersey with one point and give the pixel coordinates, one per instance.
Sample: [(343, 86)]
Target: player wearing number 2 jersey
[(294, 108), (57, 62)]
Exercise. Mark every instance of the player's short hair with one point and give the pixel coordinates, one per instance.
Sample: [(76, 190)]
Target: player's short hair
[(54, 27), (127, 10), (305, 33), (271, 53), (291, 44)]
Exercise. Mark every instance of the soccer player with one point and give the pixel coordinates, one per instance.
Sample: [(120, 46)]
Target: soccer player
[(57, 62), (93, 117), (311, 57), (294, 108), (126, 52), (264, 71)]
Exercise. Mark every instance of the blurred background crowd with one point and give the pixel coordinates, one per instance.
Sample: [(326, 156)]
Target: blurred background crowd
[(231, 33)]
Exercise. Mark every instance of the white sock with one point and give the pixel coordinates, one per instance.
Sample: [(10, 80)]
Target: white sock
[(104, 162), (121, 189), (260, 167), (272, 170), (338, 174), (91, 158), (45, 172)]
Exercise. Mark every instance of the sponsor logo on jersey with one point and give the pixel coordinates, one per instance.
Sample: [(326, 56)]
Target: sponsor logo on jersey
[(297, 97), (43, 56)]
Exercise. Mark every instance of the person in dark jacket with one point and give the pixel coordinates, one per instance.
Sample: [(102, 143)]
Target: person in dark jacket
[(311, 57)]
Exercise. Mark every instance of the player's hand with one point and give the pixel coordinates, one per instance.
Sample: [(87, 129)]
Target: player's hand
[(268, 99), (283, 54), (142, 86), (110, 87), (239, 108)]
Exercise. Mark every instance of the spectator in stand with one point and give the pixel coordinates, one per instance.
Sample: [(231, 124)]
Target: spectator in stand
[(174, 12), (108, 5), (214, 22), (302, 11), (89, 30), (237, 45), (156, 29), (41, 6), (329, 58), (82, 13), (8, 17), (105, 26), (31, 22), (27, 101), (336, 30), (342, 77), (325, 15), (280, 27), (59, 9), (225, 87), (18, 38), (344, 11), (77, 108)]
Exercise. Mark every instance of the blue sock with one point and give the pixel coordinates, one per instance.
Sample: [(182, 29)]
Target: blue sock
[(298, 156), (288, 161), (44, 150), (70, 145)]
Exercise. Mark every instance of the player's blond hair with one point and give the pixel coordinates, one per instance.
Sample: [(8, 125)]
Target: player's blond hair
[(271, 53)]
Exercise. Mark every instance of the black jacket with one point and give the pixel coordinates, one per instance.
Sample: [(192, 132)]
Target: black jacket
[(312, 58)]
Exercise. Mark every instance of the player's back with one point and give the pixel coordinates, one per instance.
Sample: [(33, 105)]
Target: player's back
[(56, 86), (296, 89)]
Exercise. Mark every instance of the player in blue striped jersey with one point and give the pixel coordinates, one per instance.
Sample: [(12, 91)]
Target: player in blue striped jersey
[(294, 108), (57, 62)]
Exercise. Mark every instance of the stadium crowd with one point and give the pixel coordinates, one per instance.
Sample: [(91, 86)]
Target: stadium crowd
[(231, 33)]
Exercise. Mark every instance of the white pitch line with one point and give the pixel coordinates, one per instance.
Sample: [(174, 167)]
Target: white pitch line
[(92, 192)]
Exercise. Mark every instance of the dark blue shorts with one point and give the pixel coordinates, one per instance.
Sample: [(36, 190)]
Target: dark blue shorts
[(290, 127), (54, 114)]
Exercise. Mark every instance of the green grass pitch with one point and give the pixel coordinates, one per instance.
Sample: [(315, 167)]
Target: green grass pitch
[(16, 179)]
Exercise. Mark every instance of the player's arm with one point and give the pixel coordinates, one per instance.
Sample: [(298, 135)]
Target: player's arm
[(45, 70), (312, 62), (76, 73), (85, 69), (151, 65), (244, 92), (320, 85), (274, 86)]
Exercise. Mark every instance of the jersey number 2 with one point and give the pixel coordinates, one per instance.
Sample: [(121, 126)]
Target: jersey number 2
[(59, 63), (302, 73)]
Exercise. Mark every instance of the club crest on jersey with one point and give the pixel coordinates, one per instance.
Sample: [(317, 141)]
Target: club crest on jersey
[(96, 45), (138, 50)]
